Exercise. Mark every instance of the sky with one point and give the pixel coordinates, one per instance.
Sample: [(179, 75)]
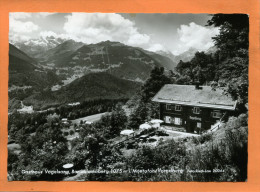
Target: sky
[(175, 33)]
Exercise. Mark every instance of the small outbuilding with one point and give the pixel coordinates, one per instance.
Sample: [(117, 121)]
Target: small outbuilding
[(65, 121), (156, 123), (145, 126), (127, 132), (88, 122)]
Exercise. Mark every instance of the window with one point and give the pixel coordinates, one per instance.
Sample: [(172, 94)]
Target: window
[(177, 121), (167, 119), (216, 114), (196, 110), (168, 107), (178, 108)]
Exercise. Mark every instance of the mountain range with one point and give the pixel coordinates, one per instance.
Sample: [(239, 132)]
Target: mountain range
[(50, 49), (35, 47), (186, 55), (107, 69), (123, 61)]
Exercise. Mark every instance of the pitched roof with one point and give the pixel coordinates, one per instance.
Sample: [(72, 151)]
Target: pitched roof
[(126, 132), (188, 95)]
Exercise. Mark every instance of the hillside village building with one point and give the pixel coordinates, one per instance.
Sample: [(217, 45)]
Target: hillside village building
[(195, 108)]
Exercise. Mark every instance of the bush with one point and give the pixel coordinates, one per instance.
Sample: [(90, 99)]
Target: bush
[(161, 133), (151, 140), (237, 122), (237, 152), (66, 134), (228, 154), (130, 146), (205, 137), (71, 132), (148, 131), (121, 145), (195, 140), (74, 142)]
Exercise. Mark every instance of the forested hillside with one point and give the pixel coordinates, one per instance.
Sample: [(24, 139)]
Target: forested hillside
[(26, 76), (92, 86)]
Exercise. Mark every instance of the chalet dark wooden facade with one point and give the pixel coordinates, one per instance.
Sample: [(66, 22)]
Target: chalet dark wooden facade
[(195, 108)]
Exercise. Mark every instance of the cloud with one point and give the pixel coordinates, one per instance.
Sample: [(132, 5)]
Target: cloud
[(19, 31), (20, 15), (195, 36), (43, 14), (13, 38), (16, 26), (85, 27), (156, 47), (138, 39), (20, 26), (96, 27), (26, 15)]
